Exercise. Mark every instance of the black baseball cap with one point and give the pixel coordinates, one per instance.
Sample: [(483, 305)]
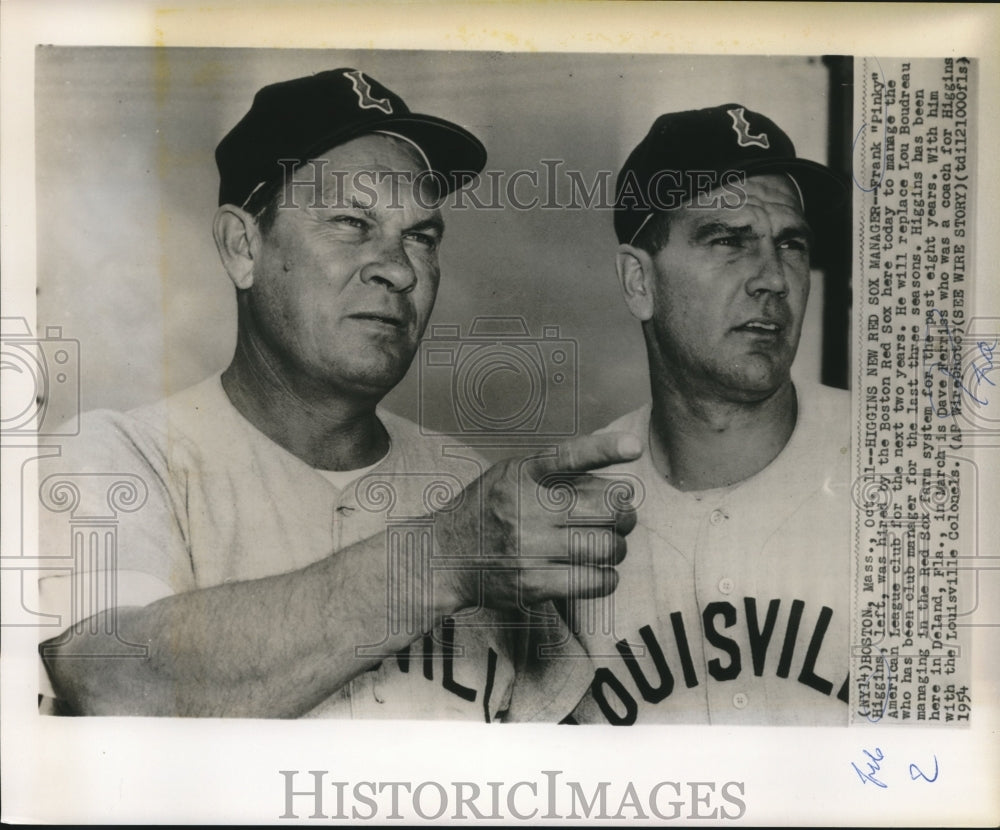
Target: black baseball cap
[(697, 150), (304, 117)]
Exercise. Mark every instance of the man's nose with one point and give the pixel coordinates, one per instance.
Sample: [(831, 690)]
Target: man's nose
[(390, 267), (770, 274)]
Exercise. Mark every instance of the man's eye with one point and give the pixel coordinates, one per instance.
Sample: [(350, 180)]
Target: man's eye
[(728, 241), (425, 239), (349, 221), (794, 245)]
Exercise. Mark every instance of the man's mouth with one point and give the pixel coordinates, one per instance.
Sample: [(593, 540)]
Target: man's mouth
[(761, 327), (381, 317)]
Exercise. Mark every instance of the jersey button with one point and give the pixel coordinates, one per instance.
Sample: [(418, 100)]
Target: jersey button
[(717, 517), (726, 585), (740, 700)]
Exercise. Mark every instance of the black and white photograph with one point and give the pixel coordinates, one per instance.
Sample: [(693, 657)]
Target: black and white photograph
[(228, 524), (383, 402)]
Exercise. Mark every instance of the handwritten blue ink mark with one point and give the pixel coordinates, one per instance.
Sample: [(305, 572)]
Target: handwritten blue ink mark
[(985, 352), (868, 776), (885, 149), (874, 762), (957, 377), (915, 772), (953, 369)]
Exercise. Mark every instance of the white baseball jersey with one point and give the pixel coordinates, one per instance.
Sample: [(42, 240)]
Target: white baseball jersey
[(187, 494), (733, 604)]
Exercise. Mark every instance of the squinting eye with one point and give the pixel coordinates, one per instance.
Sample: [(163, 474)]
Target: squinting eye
[(728, 241), (424, 239), (794, 245), (349, 221)]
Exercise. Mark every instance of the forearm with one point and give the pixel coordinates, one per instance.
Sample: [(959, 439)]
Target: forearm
[(276, 647), (272, 647)]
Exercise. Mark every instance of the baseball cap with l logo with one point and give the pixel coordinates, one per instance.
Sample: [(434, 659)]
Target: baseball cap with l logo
[(304, 117), (696, 150)]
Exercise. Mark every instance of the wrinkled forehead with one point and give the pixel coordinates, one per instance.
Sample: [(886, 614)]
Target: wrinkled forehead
[(778, 191), (373, 163), (773, 199), (377, 151)]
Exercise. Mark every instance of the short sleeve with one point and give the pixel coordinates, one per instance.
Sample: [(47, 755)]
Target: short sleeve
[(111, 515)]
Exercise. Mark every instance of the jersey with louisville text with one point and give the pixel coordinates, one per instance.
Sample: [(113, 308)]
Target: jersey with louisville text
[(733, 604)]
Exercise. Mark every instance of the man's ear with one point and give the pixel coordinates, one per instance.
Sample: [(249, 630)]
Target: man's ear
[(238, 241), (635, 275)]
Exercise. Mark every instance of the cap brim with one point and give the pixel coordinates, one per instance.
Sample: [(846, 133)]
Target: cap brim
[(452, 151)]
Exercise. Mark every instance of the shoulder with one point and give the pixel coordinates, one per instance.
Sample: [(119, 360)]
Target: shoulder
[(826, 399), (189, 409), (824, 410), (822, 436), (149, 432)]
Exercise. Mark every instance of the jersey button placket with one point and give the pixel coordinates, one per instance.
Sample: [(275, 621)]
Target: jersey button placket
[(343, 509), (718, 552)]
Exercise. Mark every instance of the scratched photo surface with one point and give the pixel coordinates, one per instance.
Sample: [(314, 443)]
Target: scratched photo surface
[(734, 601)]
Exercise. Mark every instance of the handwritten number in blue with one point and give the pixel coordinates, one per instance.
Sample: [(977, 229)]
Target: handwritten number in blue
[(916, 772)]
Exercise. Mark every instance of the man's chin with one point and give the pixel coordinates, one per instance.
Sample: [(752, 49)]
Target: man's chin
[(759, 386), (377, 379)]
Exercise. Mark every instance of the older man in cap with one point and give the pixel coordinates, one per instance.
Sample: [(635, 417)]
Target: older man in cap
[(292, 553), (733, 604)]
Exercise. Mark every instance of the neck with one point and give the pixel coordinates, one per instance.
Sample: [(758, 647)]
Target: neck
[(326, 429), (700, 443)]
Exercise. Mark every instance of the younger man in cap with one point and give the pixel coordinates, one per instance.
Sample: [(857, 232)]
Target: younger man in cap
[(277, 554), (733, 604)]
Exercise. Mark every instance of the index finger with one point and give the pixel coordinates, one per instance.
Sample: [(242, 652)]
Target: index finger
[(589, 452)]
